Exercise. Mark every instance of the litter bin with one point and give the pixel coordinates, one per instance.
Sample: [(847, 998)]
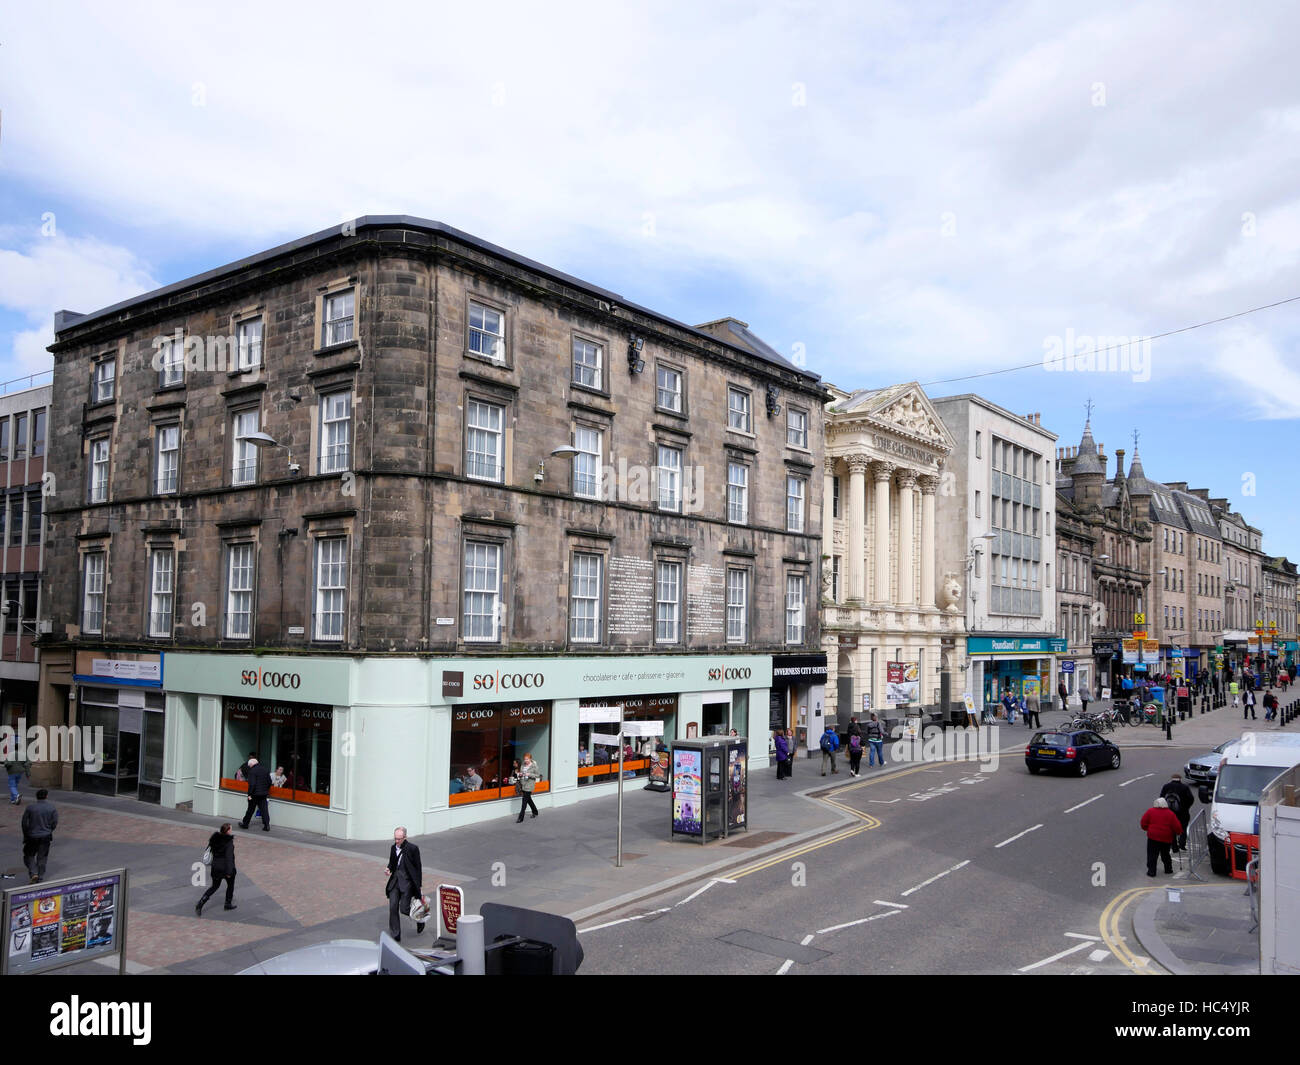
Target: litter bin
[(529, 958)]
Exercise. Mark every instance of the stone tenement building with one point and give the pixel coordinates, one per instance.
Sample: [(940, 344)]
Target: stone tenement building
[(392, 506)]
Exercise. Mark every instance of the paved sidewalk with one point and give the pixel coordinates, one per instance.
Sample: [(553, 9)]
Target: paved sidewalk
[(1206, 933)]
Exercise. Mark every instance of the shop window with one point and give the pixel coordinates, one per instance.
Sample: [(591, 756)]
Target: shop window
[(488, 741), (293, 740), (598, 762)]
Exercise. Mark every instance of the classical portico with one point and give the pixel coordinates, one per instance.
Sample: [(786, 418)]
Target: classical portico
[(879, 601)]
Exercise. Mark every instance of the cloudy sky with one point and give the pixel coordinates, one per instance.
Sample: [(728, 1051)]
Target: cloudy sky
[(891, 191)]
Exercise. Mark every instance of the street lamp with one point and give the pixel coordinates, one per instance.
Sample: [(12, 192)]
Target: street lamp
[(564, 451), (262, 441)]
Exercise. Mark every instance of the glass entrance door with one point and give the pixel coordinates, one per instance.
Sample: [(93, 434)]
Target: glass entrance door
[(128, 763)]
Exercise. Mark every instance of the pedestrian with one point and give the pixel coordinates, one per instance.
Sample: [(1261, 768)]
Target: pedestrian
[(1083, 698), (1031, 713), (1179, 797), (15, 770), (830, 743), (1162, 828), (1270, 706), (39, 822), (855, 753), (222, 846), (404, 879), (259, 787), (528, 776), (876, 737), (792, 742), (782, 755), (1248, 704)]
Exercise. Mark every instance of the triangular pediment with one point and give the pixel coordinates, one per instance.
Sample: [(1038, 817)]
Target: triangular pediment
[(906, 410)]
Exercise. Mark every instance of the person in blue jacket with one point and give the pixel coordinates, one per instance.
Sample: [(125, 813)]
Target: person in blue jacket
[(830, 743)]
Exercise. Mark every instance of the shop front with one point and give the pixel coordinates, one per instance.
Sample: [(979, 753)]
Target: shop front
[(358, 746), (1020, 666), (120, 721), (798, 698), (1105, 656)]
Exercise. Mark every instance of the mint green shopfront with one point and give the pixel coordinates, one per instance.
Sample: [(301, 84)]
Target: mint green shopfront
[(360, 745)]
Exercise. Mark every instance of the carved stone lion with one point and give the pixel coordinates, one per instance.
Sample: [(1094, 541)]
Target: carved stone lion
[(950, 594)]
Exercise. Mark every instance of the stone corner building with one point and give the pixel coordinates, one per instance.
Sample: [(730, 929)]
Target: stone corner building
[(310, 504)]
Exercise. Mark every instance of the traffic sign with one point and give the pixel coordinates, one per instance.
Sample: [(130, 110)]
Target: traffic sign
[(1139, 620), (1140, 635)]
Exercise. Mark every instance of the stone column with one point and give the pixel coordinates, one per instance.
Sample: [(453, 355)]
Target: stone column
[(929, 485), (828, 497), (855, 564), (906, 534), (884, 474)]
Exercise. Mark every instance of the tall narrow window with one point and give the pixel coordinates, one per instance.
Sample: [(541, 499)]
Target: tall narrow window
[(167, 442), (20, 436), (34, 517), (99, 470), (737, 493), (16, 531), (835, 497), (239, 591), (482, 592), (483, 441), (331, 587), (4, 438), (243, 468), (835, 578), (38, 434), (795, 596), (668, 602), (584, 599), (796, 428), (340, 310), (668, 389), (92, 602), (739, 416), (587, 358), (161, 591), (794, 500), (487, 332), (104, 381), (248, 337), (171, 363), (737, 605), (670, 478), (586, 463), (336, 432)]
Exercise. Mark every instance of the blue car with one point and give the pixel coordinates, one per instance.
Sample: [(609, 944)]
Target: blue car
[(1075, 750)]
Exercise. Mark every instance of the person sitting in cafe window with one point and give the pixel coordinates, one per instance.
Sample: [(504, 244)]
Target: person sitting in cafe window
[(473, 782)]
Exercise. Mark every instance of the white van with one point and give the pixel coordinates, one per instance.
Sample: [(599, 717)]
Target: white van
[(1247, 767)]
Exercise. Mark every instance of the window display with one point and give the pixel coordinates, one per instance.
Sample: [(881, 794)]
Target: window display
[(598, 763), (293, 740), (487, 744)]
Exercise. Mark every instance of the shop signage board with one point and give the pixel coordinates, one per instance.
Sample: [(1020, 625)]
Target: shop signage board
[(297, 679), (986, 645), (64, 922), (1067, 666), (451, 904)]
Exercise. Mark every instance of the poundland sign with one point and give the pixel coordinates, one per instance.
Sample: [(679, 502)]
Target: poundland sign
[(993, 645)]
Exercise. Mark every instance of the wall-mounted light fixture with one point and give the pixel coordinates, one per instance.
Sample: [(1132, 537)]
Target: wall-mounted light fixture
[(773, 407), (635, 364)]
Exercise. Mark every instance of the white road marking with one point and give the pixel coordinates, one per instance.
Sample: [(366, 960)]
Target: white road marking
[(913, 890), (785, 968), (885, 802), (624, 920), (882, 902), (1136, 779), (1054, 957), (1083, 804), (864, 920), (1099, 955), (701, 890), (1080, 935), (807, 939), (1017, 836)]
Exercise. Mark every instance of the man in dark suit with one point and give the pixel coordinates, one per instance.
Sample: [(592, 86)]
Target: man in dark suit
[(404, 879), (259, 787)]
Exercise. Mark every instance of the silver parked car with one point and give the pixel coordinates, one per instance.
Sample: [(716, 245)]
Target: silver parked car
[(1204, 768)]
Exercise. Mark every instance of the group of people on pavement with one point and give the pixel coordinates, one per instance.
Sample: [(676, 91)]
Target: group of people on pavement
[(871, 735), (1165, 823)]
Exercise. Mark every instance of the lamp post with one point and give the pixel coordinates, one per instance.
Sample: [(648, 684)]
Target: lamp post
[(263, 441), (972, 557)]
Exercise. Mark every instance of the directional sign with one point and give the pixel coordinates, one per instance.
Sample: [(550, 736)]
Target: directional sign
[(643, 728), (591, 715), (603, 740)]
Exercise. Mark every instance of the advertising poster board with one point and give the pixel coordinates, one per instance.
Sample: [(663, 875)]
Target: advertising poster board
[(737, 784), (902, 682), (64, 922), (660, 770), (688, 792)]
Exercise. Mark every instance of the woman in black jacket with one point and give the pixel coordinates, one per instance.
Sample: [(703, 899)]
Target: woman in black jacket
[(223, 867)]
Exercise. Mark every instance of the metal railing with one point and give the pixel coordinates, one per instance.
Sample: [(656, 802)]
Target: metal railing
[(22, 384), (1198, 844)]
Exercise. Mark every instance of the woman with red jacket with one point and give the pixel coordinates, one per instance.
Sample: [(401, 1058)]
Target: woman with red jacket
[(1162, 827)]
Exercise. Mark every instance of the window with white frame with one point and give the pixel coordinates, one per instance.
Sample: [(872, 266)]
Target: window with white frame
[(99, 470), (239, 591), (737, 605), (335, 432), (484, 437), (171, 363), (670, 478), (105, 380), (796, 427), (487, 332), (796, 586), (248, 342), (835, 578), (340, 317), (480, 620), (587, 362), (737, 493), (92, 597), (162, 575), (167, 443), (587, 462), (584, 598), (243, 452), (668, 389), (835, 496), (668, 602), (795, 487), (739, 413), (331, 588)]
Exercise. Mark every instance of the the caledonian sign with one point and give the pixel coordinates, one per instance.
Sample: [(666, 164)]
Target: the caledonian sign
[(996, 645)]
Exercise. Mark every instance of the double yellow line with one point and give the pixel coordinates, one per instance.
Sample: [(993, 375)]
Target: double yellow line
[(1110, 935)]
